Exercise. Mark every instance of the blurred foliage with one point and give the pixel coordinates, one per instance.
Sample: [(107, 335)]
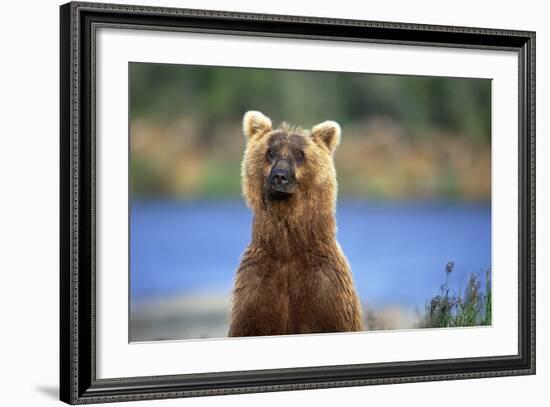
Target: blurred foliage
[(404, 137)]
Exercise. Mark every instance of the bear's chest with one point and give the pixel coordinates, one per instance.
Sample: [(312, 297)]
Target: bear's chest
[(304, 288)]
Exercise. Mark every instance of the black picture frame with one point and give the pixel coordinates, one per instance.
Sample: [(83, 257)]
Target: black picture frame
[(78, 382)]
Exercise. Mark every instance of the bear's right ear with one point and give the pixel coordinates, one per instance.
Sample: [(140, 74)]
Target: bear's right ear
[(255, 124)]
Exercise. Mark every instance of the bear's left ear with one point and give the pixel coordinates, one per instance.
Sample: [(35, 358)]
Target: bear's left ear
[(327, 133)]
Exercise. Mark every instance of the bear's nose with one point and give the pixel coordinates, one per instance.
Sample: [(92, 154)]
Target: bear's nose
[(279, 177)]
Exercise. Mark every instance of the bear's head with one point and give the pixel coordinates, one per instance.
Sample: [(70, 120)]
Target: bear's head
[(289, 169)]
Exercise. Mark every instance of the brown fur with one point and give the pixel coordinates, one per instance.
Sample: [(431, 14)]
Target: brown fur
[(293, 277)]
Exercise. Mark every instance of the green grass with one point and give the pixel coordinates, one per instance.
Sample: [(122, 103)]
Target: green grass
[(469, 308)]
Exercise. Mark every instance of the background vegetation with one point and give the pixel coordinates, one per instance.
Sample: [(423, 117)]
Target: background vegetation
[(404, 137)]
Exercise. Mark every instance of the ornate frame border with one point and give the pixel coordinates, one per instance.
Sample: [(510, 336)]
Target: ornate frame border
[(78, 382)]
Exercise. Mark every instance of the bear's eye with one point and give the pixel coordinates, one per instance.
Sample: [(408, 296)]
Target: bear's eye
[(300, 156), (270, 155)]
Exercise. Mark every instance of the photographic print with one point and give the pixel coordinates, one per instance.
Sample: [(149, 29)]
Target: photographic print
[(275, 202), (255, 202)]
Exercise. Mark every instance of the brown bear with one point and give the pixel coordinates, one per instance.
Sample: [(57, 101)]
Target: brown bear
[(293, 277)]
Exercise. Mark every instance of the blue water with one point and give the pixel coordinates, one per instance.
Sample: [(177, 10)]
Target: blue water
[(397, 251)]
